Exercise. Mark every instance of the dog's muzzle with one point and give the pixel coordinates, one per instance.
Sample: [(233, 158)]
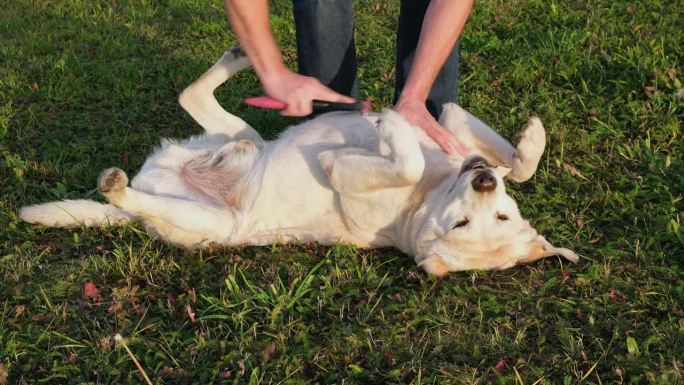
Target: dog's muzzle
[(484, 181)]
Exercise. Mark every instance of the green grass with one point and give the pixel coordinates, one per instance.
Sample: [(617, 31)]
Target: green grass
[(86, 85)]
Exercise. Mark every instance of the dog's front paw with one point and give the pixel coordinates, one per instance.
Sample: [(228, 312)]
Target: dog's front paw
[(529, 151), (112, 184), (532, 139)]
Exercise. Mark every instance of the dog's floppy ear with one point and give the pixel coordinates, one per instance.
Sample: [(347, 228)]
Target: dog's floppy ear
[(538, 247), (439, 259)]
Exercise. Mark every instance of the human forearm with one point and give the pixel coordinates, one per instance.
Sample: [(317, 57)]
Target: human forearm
[(442, 25), (250, 22)]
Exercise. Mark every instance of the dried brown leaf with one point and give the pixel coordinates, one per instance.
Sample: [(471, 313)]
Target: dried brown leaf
[(649, 90), (268, 352), (114, 308), (672, 74), (191, 313), (91, 291), (573, 171), (4, 373)]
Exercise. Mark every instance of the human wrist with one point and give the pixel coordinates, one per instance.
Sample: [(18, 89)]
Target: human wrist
[(413, 94), (270, 71), (411, 98)]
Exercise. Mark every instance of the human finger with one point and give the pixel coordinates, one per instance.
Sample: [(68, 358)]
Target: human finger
[(298, 107), (329, 95)]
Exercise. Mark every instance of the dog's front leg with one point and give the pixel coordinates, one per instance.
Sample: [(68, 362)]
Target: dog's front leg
[(354, 170)]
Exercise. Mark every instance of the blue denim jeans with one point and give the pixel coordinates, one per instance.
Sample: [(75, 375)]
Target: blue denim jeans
[(325, 47)]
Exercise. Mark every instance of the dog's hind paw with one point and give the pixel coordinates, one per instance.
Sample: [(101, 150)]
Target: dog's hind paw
[(112, 182)]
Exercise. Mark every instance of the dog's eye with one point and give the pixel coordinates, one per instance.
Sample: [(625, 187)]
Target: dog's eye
[(502, 217), (461, 223)]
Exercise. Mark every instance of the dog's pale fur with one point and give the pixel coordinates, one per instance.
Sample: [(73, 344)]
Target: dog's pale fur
[(372, 180)]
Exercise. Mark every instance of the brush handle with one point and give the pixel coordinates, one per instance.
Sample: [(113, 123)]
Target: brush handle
[(319, 106), (266, 102)]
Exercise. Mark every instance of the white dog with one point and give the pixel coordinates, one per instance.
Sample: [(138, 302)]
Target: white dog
[(372, 180)]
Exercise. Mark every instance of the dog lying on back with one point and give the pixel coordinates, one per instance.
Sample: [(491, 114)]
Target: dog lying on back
[(371, 179)]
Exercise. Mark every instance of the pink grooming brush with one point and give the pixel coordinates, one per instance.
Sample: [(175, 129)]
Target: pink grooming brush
[(266, 102), (319, 106)]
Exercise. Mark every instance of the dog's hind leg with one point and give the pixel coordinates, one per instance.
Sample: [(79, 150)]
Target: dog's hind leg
[(199, 101), (194, 221)]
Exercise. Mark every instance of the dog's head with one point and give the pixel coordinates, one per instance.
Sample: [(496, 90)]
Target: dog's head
[(472, 223)]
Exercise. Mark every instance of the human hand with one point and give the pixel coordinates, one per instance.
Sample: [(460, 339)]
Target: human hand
[(415, 112), (297, 91)]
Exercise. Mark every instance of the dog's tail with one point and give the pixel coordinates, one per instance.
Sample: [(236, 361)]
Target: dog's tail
[(75, 213)]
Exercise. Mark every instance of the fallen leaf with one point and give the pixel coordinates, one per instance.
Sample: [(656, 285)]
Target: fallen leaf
[(91, 291), (38, 317), (649, 90), (632, 347), (191, 314), (19, 310), (4, 373), (268, 352), (565, 275), (140, 309), (355, 369), (114, 308), (193, 295), (613, 294), (672, 74), (573, 171), (170, 301), (500, 365)]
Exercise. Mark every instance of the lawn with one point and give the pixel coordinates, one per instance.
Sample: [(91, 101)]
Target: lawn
[(86, 85)]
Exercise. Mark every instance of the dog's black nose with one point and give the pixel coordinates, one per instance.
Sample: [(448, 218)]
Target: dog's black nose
[(484, 181)]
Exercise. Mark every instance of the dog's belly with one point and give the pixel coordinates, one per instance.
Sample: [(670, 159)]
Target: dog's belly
[(295, 200)]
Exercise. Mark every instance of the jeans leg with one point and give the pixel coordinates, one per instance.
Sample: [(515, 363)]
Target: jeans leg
[(445, 88), (325, 43)]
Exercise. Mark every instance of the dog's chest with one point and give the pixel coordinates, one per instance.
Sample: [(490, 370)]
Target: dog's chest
[(375, 217)]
